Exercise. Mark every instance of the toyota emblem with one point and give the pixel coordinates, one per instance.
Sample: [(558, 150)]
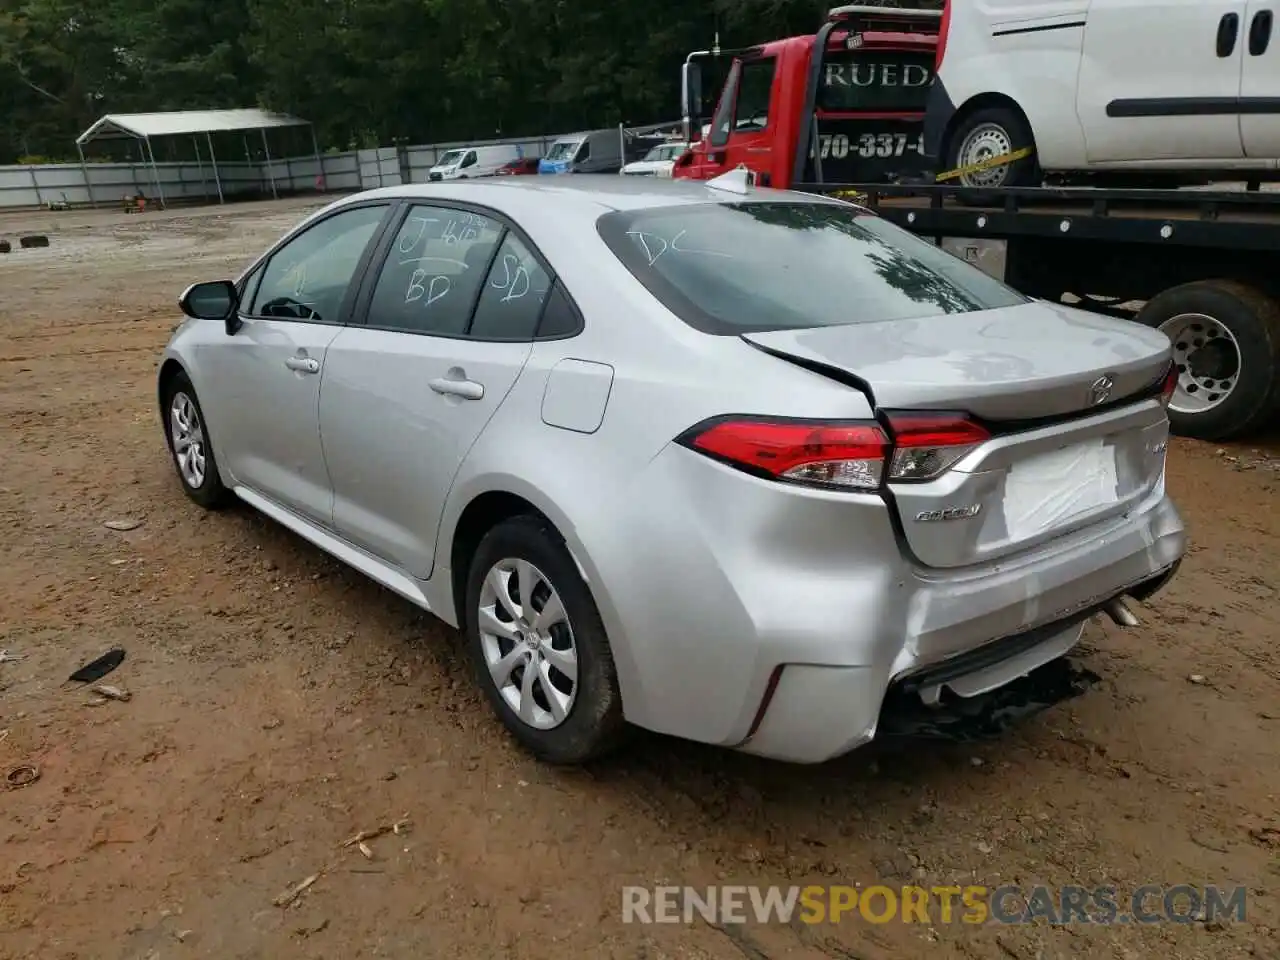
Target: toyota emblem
[(1100, 391)]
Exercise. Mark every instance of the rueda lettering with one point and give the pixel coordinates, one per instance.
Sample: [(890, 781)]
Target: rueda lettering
[(865, 74)]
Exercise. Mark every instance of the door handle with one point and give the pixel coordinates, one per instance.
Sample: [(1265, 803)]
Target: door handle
[(302, 364), (1260, 33), (466, 389), (1228, 30)]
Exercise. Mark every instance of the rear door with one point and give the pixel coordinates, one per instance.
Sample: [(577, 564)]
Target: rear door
[(449, 323), (1260, 82), (1160, 80)]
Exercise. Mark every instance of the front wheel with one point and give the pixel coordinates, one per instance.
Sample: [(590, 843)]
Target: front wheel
[(187, 435), (1226, 345), (984, 135), (538, 645)]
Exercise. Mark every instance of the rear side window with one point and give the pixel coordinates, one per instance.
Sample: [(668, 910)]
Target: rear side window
[(511, 301), (742, 267)]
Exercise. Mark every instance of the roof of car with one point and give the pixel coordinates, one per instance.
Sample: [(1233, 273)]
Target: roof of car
[(588, 192)]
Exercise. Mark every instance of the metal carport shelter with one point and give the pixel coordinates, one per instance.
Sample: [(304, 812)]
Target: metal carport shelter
[(144, 126)]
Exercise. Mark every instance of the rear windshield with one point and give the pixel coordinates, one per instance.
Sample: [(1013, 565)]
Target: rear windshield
[(892, 81), (743, 267)]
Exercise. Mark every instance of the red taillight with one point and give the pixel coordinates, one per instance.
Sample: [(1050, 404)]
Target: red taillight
[(846, 455), (927, 445), (825, 453), (1169, 385)]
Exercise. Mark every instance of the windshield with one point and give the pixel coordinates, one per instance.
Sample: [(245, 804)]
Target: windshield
[(563, 149), (450, 157), (743, 267)]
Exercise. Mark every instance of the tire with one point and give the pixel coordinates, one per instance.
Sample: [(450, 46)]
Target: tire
[(203, 486), (1248, 322), (992, 131), (592, 723)]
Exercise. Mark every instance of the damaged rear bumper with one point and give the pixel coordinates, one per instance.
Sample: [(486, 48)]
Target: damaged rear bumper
[(986, 716)]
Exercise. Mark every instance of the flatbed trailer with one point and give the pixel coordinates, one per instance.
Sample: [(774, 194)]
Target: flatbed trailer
[(1204, 264)]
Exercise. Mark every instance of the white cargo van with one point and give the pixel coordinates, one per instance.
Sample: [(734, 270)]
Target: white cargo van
[(470, 162), (1166, 87)]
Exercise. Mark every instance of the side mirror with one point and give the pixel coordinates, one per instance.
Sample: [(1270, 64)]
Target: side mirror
[(212, 300), (691, 100)]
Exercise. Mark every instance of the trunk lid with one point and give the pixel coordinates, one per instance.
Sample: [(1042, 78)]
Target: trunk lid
[(1032, 373)]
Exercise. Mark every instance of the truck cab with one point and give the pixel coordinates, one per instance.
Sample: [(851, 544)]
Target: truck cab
[(846, 104)]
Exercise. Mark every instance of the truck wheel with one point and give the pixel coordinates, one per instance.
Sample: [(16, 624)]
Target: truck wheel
[(988, 133), (1226, 344)]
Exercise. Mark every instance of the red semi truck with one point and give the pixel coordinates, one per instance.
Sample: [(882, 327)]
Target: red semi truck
[(843, 111)]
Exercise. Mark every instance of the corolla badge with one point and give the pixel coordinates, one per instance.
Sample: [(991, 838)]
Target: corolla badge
[(1100, 390), (950, 513)]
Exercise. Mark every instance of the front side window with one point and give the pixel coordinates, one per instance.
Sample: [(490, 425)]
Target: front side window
[(734, 268), (755, 92), (433, 271), (307, 278), (745, 103), (470, 160), (584, 152)]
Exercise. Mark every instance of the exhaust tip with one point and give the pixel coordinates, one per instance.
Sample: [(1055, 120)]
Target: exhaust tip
[(1120, 613)]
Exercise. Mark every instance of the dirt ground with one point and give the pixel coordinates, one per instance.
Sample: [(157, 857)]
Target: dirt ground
[(281, 703)]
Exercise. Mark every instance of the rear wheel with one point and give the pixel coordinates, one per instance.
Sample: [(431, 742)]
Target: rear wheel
[(538, 645), (988, 133), (1226, 345)]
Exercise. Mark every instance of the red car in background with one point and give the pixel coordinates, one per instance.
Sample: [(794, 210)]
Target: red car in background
[(519, 167)]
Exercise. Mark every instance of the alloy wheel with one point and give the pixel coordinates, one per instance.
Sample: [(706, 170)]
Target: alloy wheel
[(187, 434), (528, 643)]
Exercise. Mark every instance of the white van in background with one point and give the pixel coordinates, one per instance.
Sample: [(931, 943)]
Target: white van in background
[(471, 162), (1163, 87)]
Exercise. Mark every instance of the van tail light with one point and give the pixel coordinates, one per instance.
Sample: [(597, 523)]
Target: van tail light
[(848, 455), (927, 445), (1169, 385)]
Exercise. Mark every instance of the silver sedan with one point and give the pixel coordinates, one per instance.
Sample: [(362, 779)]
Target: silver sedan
[(748, 467)]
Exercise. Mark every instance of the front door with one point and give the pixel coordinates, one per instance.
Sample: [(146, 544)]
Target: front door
[(1160, 80), (742, 127), (1260, 81), (264, 381), (447, 332)]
